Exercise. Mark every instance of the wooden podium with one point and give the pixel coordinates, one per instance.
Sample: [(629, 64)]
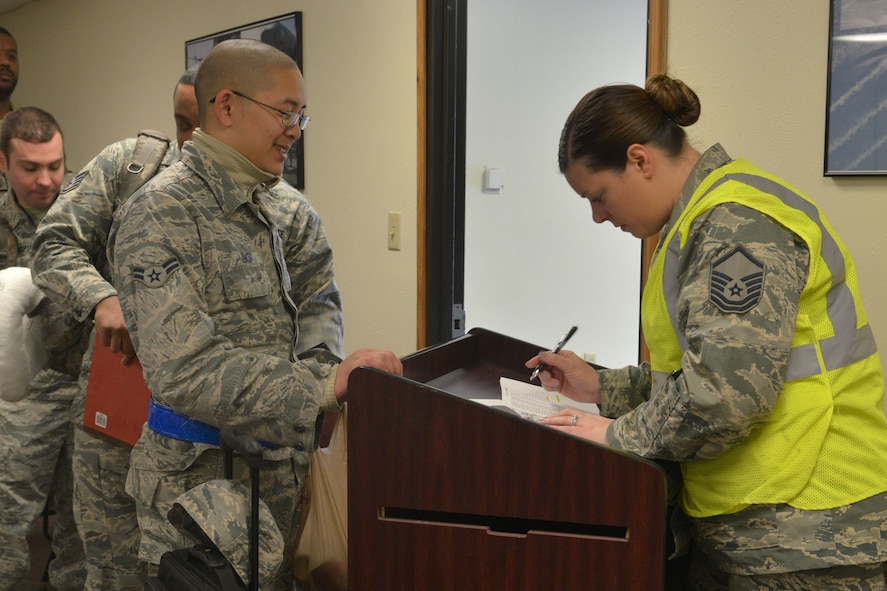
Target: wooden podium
[(448, 494)]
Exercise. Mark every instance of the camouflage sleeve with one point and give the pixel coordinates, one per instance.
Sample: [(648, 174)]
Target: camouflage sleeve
[(69, 262), (64, 337), (624, 389), (208, 344), (734, 367), (7, 243), (310, 264)]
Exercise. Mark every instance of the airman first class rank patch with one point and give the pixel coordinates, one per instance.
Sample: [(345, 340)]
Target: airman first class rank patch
[(737, 281), (157, 275)]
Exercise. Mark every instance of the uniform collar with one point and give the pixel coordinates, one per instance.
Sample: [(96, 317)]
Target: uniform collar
[(712, 159), (243, 172), (232, 178)]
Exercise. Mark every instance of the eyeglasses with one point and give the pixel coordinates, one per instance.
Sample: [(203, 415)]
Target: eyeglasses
[(288, 118)]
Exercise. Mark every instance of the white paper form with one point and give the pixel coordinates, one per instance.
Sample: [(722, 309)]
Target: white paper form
[(534, 402)]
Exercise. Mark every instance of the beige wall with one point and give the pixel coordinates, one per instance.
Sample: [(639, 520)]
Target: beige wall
[(106, 68), (759, 68)]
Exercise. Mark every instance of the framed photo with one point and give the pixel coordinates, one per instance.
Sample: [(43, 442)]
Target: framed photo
[(283, 32), (856, 113)]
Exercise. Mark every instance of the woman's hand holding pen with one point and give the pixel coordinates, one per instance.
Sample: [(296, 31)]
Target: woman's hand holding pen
[(568, 374)]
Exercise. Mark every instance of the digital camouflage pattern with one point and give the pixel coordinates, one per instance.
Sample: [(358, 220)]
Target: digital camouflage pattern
[(717, 400), (63, 334), (223, 286), (35, 452), (852, 577), (105, 513), (767, 540), (70, 266), (36, 432), (221, 509)]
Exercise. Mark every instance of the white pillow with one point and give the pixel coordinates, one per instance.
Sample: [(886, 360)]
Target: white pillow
[(22, 353)]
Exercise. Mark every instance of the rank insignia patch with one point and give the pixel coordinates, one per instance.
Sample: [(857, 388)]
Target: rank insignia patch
[(75, 182), (157, 275), (737, 281)]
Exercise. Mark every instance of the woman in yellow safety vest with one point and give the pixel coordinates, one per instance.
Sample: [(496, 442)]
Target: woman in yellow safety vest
[(764, 381)]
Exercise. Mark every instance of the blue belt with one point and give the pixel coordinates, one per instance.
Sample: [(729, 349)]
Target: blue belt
[(165, 421)]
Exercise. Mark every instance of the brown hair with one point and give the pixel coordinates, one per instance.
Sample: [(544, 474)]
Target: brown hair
[(609, 119), (29, 124)]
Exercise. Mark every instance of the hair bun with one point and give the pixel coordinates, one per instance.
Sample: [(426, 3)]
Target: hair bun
[(676, 99)]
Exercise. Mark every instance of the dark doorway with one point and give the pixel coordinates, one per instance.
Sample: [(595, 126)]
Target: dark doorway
[(445, 169)]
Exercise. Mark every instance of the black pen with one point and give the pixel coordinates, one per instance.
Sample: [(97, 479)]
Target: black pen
[(558, 347)]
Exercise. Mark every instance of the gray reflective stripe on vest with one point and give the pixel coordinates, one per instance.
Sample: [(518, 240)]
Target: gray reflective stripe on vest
[(847, 346)]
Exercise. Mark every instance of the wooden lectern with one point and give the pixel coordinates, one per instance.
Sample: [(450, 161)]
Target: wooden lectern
[(448, 494)]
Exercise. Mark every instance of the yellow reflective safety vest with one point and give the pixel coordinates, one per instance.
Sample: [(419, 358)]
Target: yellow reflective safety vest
[(825, 443)]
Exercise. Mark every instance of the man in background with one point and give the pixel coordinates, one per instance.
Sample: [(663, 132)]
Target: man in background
[(8, 70), (8, 80), (36, 433), (70, 266)]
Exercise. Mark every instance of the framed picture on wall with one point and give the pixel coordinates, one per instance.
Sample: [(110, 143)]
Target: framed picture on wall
[(283, 32), (856, 113)]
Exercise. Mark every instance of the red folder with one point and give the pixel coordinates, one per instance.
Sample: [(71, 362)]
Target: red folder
[(116, 397)]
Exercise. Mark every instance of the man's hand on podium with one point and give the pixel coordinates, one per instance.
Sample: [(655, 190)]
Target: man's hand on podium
[(376, 358)]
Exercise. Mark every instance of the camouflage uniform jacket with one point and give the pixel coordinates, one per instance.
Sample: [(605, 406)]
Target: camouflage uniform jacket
[(69, 248), (62, 334), (222, 288), (16, 232), (681, 422)]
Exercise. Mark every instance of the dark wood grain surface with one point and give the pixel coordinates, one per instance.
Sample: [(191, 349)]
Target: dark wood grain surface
[(445, 493)]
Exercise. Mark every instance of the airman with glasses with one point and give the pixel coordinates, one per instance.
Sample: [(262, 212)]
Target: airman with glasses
[(287, 118)]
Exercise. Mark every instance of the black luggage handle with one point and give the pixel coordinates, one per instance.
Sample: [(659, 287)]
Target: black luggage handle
[(250, 448), (245, 445)]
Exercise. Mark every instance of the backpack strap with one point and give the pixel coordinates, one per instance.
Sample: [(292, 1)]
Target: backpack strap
[(151, 147)]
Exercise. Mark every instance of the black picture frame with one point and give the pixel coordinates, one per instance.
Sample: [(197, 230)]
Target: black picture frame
[(283, 32), (856, 108)]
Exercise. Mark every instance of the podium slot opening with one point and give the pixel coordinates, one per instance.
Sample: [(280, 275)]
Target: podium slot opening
[(505, 525)]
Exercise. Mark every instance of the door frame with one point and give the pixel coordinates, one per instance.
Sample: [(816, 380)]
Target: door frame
[(441, 73)]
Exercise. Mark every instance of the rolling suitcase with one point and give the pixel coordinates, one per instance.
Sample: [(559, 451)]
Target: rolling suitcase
[(203, 567)]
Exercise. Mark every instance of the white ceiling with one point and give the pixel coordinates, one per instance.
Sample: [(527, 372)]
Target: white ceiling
[(7, 5)]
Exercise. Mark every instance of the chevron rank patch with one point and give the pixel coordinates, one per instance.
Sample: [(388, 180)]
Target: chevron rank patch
[(157, 275), (737, 281), (75, 182)]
